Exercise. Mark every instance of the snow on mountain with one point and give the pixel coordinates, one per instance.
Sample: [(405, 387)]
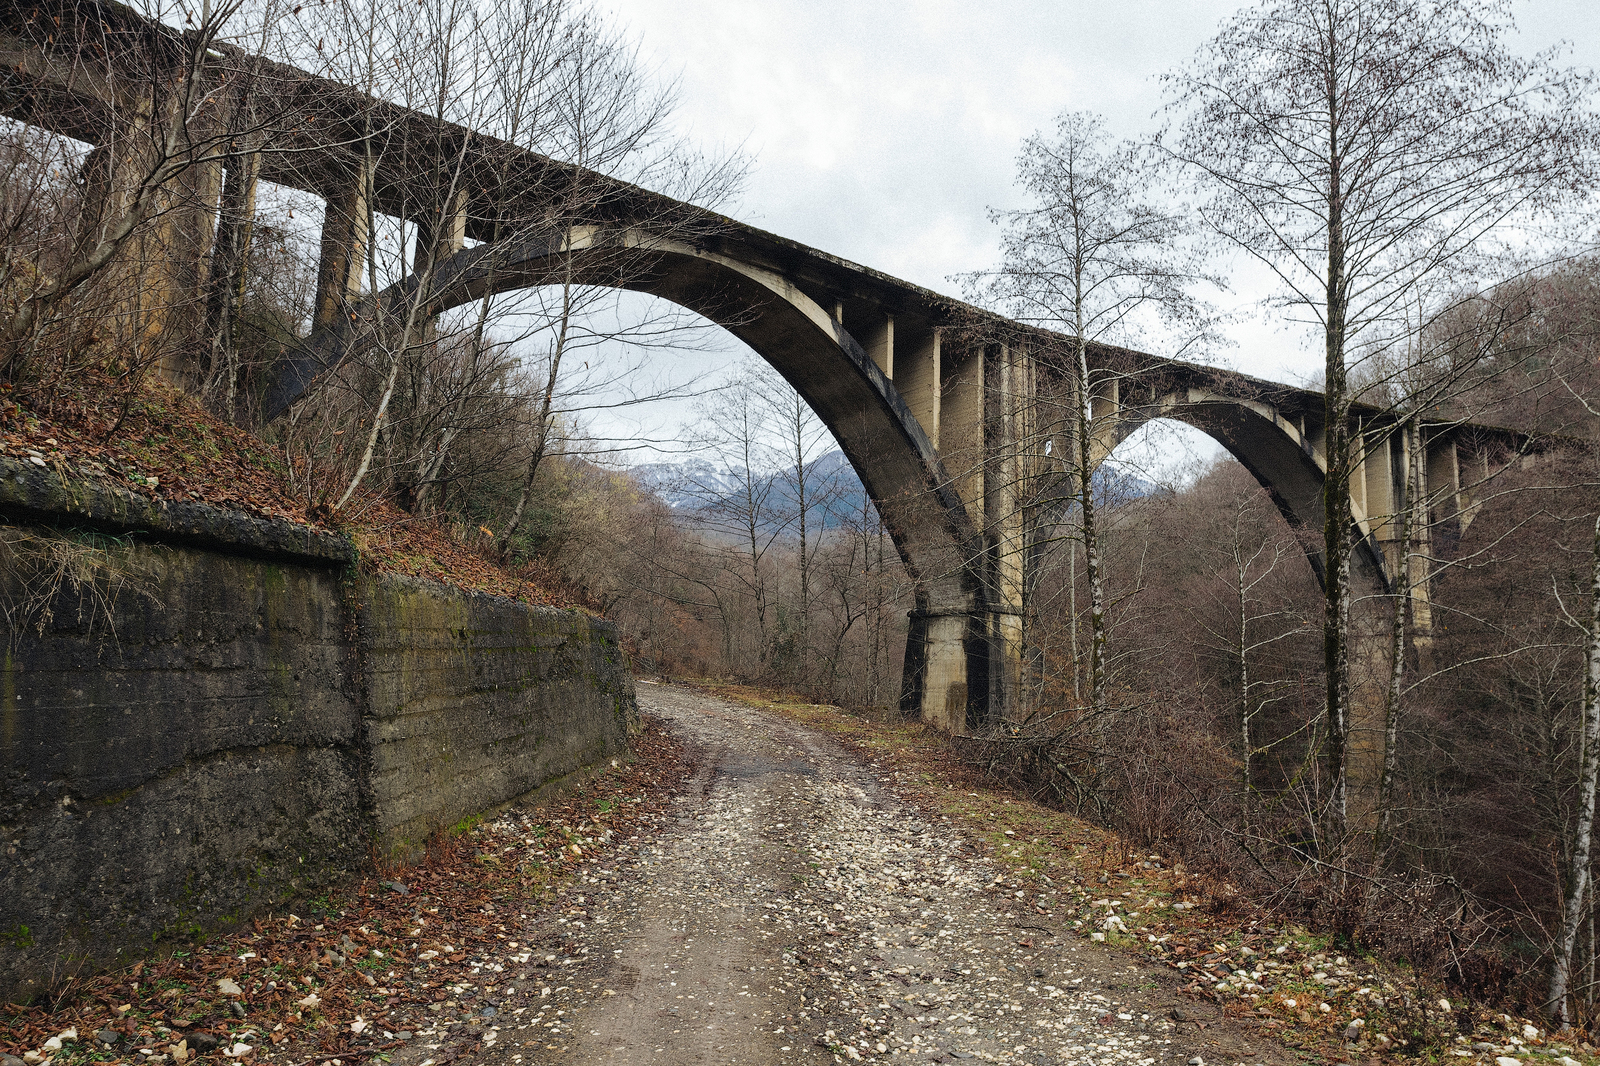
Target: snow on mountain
[(832, 486), (691, 484)]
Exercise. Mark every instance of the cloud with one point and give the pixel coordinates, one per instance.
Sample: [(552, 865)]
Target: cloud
[(882, 132)]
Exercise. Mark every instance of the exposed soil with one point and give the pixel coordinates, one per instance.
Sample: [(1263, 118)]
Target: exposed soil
[(790, 909)]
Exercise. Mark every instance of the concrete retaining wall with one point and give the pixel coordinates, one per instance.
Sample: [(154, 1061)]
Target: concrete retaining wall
[(203, 715), (473, 700)]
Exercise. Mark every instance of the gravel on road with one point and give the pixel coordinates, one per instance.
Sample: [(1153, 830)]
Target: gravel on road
[(789, 908)]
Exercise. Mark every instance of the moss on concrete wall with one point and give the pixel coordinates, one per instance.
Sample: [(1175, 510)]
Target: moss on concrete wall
[(193, 729), (473, 700)]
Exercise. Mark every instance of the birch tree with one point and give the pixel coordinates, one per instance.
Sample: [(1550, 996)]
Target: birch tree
[(1095, 258), (1248, 611), (1357, 149), (1577, 381)]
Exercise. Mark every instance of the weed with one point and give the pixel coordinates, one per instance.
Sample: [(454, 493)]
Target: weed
[(466, 825), (42, 566)]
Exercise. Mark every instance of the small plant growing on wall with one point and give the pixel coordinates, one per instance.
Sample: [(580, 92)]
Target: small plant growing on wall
[(48, 571)]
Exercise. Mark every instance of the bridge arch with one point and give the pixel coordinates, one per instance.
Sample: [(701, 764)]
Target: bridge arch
[(949, 651), (1275, 450)]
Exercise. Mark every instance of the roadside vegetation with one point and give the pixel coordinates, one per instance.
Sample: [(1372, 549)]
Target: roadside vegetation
[(1315, 990), (161, 443)]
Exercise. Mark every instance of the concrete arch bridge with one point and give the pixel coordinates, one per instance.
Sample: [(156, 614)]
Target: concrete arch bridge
[(950, 416)]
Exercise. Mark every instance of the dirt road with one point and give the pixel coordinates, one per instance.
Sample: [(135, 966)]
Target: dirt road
[(790, 910)]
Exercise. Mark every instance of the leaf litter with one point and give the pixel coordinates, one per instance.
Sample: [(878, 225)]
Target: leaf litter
[(162, 444), (420, 953)]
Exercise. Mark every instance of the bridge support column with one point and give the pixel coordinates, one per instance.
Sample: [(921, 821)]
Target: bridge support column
[(1418, 552), (880, 346), (153, 294), (937, 672), (1444, 481), (964, 646), (1003, 636), (344, 254), (229, 270), (1467, 483), (440, 235), (962, 668), (966, 439), (1384, 495), (1009, 428), (1358, 471), (920, 383)]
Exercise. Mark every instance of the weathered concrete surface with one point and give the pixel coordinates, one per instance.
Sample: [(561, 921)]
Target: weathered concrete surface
[(475, 700), (35, 493), (190, 734), (173, 758)]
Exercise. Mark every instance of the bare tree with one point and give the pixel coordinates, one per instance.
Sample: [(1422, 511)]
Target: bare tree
[(493, 85), (864, 586), (1249, 610), (160, 107), (1096, 259), (1358, 148), (808, 495), (739, 499), (1577, 888), (1573, 371)]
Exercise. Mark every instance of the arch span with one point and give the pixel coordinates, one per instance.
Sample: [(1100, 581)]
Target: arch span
[(1278, 455), (918, 397), (948, 664)]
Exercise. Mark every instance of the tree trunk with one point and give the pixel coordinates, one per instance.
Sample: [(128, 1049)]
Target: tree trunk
[(542, 425), (382, 413), (1072, 613), (1091, 543), (429, 474), (752, 531), (803, 502), (1246, 772), (1397, 655), (1583, 834), (397, 356), (230, 266), (1336, 491), (1419, 565)]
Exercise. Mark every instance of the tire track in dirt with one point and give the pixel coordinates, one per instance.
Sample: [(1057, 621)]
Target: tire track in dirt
[(789, 909)]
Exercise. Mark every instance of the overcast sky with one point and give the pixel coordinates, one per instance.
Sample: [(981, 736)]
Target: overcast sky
[(883, 131)]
